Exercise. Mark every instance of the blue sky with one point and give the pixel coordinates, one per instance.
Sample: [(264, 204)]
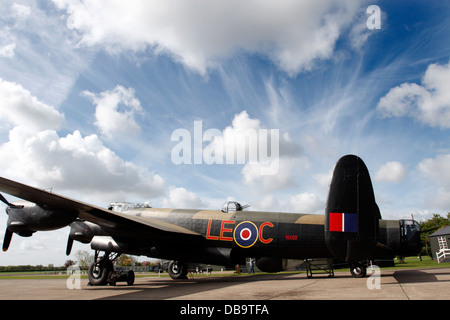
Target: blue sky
[(91, 92)]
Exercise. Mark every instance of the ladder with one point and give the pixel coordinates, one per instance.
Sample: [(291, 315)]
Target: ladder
[(321, 265)]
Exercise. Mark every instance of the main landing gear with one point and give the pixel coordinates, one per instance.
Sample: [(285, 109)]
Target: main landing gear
[(178, 270), (101, 271)]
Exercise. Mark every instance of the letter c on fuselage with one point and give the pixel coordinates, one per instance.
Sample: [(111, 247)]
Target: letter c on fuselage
[(261, 228)]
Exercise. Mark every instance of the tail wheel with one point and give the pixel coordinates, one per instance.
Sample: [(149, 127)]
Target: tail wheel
[(177, 270), (358, 270)]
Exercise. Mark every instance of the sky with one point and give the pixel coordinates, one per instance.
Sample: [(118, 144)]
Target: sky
[(105, 101)]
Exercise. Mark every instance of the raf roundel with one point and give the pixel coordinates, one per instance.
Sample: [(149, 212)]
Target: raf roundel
[(245, 234)]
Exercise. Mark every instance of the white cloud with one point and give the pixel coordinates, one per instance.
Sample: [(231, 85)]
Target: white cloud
[(280, 168), (115, 111), (20, 107), (20, 11), (437, 169), (306, 203), (440, 200), (289, 169), (7, 43), (392, 171), (8, 40), (36, 154), (38, 51), (75, 163), (428, 103), (7, 50), (182, 198), (294, 34), (271, 159), (437, 172), (268, 202), (323, 179)]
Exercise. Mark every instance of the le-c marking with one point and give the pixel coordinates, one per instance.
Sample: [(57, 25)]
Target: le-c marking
[(227, 228)]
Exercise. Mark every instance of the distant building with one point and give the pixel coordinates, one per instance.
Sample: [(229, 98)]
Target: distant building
[(439, 242)]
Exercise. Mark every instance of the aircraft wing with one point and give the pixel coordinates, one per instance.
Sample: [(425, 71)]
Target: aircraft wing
[(103, 217)]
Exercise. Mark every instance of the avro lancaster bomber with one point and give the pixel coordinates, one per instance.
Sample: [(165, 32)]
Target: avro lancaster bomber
[(351, 230)]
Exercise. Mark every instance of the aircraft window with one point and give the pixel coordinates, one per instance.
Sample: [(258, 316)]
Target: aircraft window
[(409, 227)]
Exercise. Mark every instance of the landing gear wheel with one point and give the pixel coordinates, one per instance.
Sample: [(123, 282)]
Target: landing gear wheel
[(177, 270), (99, 272), (358, 270), (130, 278)]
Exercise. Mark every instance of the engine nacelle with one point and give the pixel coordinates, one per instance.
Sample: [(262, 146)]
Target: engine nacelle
[(84, 231), (108, 244), (25, 218)]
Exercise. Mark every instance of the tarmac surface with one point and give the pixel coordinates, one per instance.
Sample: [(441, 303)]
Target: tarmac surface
[(420, 284)]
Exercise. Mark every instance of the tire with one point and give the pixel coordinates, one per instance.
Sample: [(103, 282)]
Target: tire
[(177, 270), (99, 272), (358, 270), (130, 278)]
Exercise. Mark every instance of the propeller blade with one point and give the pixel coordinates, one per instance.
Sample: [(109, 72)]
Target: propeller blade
[(3, 199), (69, 245), (7, 240)]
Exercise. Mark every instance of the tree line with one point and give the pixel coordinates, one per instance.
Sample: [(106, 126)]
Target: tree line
[(30, 268)]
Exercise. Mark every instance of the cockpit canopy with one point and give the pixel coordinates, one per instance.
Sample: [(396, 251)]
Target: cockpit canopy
[(409, 228), (124, 206), (410, 237), (233, 206)]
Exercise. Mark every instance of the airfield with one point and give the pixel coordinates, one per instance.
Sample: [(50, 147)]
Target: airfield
[(407, 284)]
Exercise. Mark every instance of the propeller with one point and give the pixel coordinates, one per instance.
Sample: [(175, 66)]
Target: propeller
[(28, 218), (8, 234), (74, 231), (69, 245), (7, 239), (3, 199), (81, 231)]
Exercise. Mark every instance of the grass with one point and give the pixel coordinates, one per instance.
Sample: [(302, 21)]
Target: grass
[(414, 262)]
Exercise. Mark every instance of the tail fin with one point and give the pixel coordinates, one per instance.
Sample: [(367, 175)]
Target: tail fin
[(351, 217)]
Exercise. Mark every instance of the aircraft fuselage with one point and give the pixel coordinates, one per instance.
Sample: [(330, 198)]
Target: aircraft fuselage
[(228, 238)]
